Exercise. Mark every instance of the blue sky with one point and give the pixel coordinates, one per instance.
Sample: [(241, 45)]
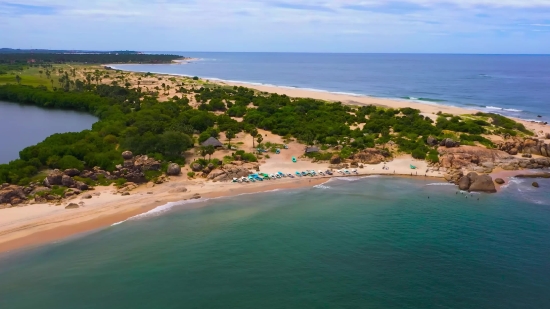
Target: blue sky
[(408, 26)]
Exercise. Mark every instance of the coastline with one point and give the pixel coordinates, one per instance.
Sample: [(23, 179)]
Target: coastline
[(22, 227), (427, 109)]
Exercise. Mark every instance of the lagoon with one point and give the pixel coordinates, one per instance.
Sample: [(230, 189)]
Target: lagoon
[(24, 125)]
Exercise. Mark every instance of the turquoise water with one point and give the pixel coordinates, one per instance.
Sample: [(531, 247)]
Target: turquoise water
[(366, 243)]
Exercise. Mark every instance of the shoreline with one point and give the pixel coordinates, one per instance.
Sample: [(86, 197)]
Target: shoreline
[(108, 210), (348, 98)]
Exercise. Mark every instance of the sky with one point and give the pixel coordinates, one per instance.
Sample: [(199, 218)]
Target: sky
[(364, 26)]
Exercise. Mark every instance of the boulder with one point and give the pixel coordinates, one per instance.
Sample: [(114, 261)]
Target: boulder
[(499, 181), (87, 174), (12, 194), (67, 181), (535, 184), (127, 155), (40, 189), (196, 167), (54, 178), (335, 159), (173, 169), (128, 164), (464, 183), (72, 206), (87, 196), (196, 196), (71, 172), (81, 186), (432, 141), (125, 193), (483, 183)]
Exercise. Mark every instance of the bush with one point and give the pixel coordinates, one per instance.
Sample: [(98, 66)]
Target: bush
[(433, 156), (191, 174), (419, 154)]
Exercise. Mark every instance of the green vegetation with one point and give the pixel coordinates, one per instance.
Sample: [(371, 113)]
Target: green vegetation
[(133, 120), (96, 58)]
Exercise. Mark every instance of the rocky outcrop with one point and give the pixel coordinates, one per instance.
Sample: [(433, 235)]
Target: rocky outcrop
[(535, 184), (12, 194), (54, 178), (71, 172), (500, 181), (67, 181), (535, 175), (230, 171), (335, 159), (173, 169), (470, 157), (477, 183), (529, 146), (367, 156), (449, 143)]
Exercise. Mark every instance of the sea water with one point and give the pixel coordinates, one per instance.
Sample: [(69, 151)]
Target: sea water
[(375, 242), (513, 85)]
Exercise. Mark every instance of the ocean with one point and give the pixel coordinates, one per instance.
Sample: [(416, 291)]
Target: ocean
[(374, 242), (512, 85)]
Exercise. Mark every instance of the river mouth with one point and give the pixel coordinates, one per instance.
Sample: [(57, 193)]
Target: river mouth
[(23, 126)]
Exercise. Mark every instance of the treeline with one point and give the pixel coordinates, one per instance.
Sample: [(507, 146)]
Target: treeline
[(60, 58)]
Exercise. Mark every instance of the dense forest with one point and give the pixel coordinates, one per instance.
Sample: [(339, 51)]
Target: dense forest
[(97, 58), (130, 119)]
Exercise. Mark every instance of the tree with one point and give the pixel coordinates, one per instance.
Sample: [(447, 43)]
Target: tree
[(259, 139), (174, 143), (210, 151), (254, 133), (18, 79), (203, 152), (230, 135)]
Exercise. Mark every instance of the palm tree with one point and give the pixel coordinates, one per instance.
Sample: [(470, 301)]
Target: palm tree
[(259, 139), (18, 79), (210, 151), (229, 135)]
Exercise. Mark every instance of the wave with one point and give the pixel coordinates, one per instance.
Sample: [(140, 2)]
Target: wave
[(322, 187), (440, 184), (504, 109)]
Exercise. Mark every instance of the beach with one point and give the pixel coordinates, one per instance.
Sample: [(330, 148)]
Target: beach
[(42, 223)]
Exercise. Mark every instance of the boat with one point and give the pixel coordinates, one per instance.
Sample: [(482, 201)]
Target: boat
[(412, 167), (251, 178), (244, 179), (281, 174), (321, 173), (272, 176), (347, 172), (290, 176), (354, 171), (304, 174), (294, 159), (328, 173), (235, 180), (298, 174), (278, 151)]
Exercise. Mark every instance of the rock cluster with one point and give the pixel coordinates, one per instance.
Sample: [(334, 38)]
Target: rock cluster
[(368, 156), (477, 183), (449, 143), (11, 194), (230, 171), (530, 146)]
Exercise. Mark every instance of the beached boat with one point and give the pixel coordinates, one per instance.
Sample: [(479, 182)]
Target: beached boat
[(304, 174), (321, 173), (281, 174), (294, 159)]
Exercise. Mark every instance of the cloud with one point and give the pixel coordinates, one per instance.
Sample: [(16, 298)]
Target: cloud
[(300, 6), (26, 9)]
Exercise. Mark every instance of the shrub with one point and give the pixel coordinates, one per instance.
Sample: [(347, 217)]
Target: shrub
[(419, 154), (191, 174)]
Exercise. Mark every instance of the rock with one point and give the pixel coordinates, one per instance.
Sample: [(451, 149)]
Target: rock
[(483, 183), (432, 141), (149, 192), (196, 167), (72, 206), (11, 192), (335, 159), (54, 178), (173, 169), (125, 193), (128, 164), (68, 194), (87, 196), (146, 164), (469, 156), (196, 196), (40, 199), (71, 172), (127, 155), (464, 183), (150, 184), (87, 174), (535, 184), (369, 156), (81, 186), (5, 185), (513, 151), (40, 189), (178, 190), (67, 181), (499, 181)]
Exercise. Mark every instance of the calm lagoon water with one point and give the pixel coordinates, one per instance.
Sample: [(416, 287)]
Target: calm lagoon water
[(23, 125), (365, 243)]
